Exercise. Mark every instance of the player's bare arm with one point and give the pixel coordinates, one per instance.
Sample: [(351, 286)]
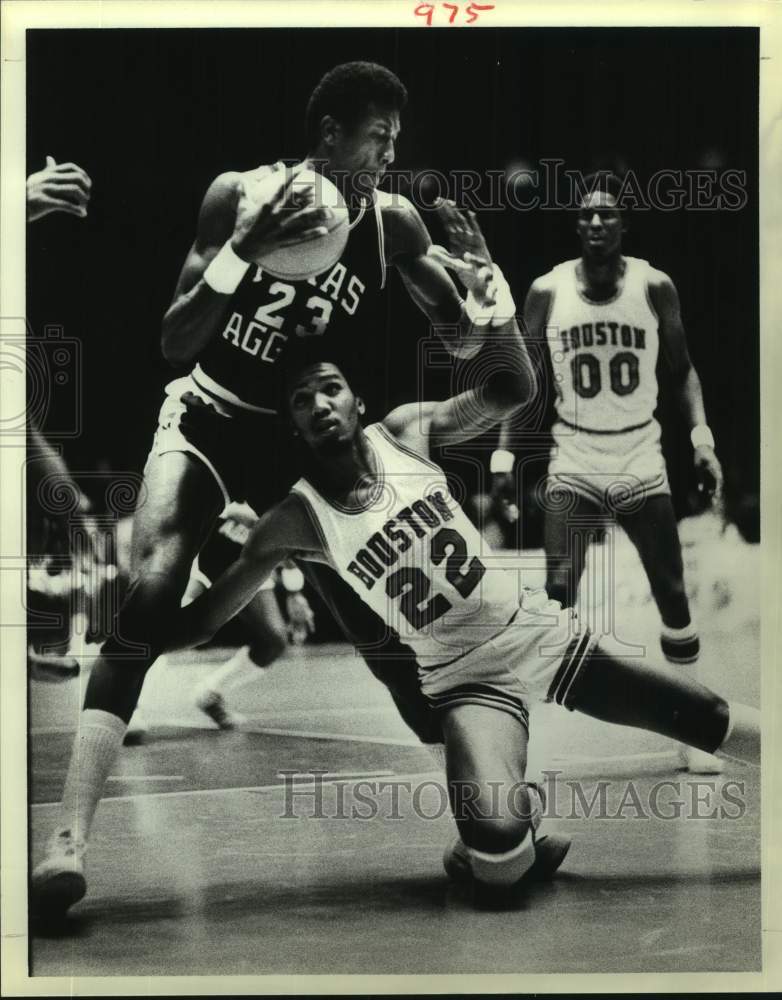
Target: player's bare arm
[(426, 279), (665, 300), (537, 307), (281, 533), (231, 222), (507, 381)]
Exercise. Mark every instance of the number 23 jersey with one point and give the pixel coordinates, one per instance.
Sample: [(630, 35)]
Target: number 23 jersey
[(604, 354), (415, 558), (239, 363)]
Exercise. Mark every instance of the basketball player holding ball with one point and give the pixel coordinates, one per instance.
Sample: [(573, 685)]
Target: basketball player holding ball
[(228, 324), (604, 317)]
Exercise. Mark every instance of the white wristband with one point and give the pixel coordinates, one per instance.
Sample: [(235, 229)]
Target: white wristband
[(501, 461), (292, 579), (226, 270), (477, 314), (701, 436), (505, 308)]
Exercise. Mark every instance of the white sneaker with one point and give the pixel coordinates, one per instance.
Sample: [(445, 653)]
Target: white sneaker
[(58, 881), (699, 761), (212, 703), (550, 852)]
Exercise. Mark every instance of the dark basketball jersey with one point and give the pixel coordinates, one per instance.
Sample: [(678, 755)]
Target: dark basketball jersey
[(265, 312)]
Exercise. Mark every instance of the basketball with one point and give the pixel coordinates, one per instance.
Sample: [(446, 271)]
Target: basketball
[(310, 257)]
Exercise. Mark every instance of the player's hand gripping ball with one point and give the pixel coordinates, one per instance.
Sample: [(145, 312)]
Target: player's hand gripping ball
[(294, 228)]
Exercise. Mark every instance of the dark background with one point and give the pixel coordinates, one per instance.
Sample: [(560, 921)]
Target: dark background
[(154, 115)]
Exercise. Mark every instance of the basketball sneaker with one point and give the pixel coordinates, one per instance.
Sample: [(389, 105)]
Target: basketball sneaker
[(212, 703), (699, 761), (550, 851), (58, 881)]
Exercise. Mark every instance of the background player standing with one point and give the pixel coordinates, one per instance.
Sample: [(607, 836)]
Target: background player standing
[(603, 316)]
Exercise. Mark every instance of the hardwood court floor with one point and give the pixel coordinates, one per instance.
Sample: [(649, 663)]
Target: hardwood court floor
[(192, 868)]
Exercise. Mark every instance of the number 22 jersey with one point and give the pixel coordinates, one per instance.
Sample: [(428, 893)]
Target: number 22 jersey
[(415, 558), (604, 354)]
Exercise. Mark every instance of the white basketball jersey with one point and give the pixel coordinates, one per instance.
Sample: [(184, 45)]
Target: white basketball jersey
[(604, 354), (415, 558)]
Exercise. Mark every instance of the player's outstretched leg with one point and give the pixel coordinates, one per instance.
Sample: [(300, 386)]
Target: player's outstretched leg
[(181, 500), (664, 701), (654, 533), (501, 844)]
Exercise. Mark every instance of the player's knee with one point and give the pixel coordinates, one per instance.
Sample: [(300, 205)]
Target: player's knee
[(151, 601), (495, 834), (154, 563), (156, 593)]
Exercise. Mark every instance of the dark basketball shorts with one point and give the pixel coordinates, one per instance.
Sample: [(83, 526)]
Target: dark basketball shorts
[(243, 450), (218, 553)]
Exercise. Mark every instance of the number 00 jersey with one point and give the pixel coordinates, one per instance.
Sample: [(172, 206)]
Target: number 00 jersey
[(238, 364), (604, 354), (415, 558)]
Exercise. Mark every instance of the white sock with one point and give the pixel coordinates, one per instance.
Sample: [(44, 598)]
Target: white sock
[(503, 869), (235, 671), (508, 868), (95, 749), (742, 740)]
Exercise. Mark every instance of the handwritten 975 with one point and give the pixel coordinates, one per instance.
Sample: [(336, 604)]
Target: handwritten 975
[(451, 13)]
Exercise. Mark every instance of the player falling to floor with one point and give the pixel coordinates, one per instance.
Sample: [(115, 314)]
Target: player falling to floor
[(373, 505), (604, 316), (230, 324), (267, 629)]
